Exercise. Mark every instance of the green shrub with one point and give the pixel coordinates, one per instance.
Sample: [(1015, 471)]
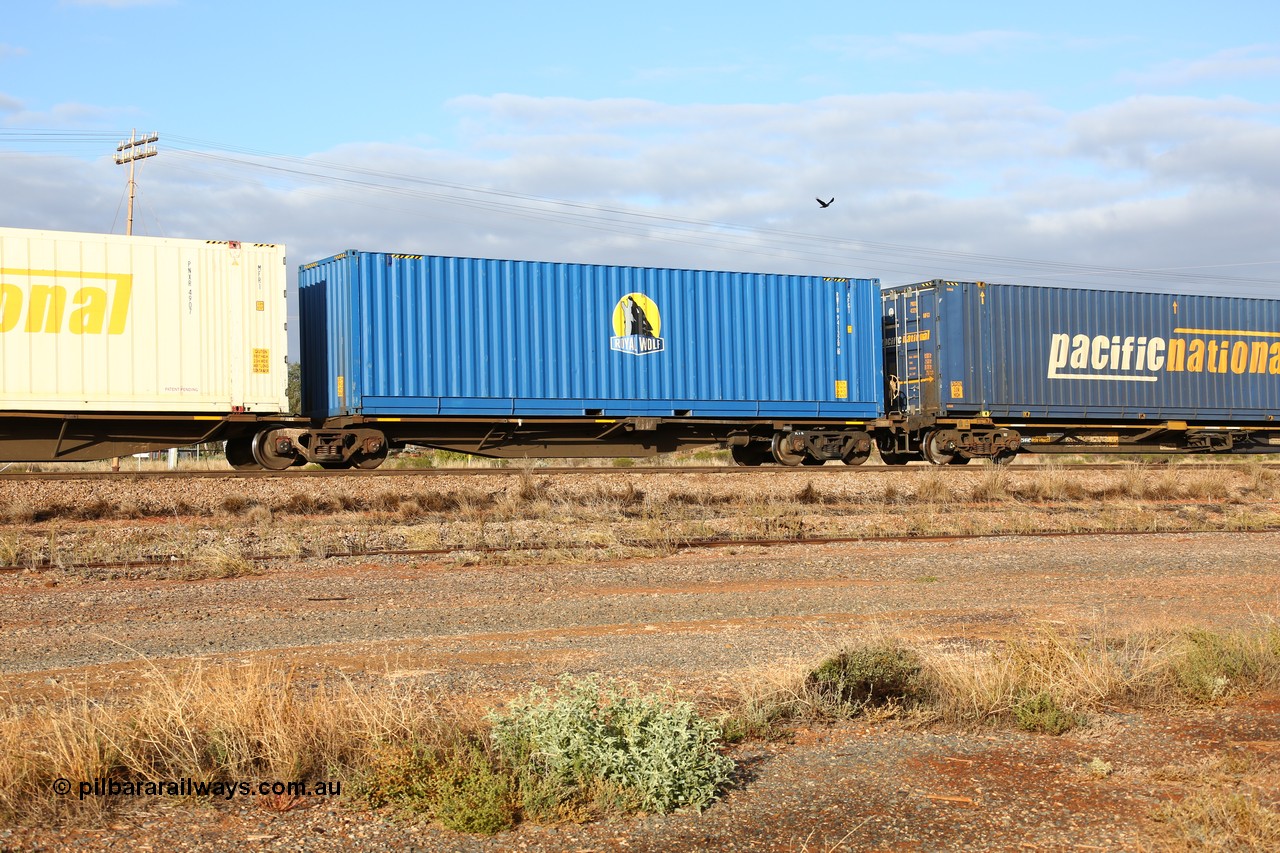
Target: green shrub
[(1042, 713), (868, 676), (467, 793), (1214, 665), (457, 784), (584, 748)]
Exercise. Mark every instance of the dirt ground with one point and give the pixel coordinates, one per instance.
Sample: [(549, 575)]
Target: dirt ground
[(705, 622)]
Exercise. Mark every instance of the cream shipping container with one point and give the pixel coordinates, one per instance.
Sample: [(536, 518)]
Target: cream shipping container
[(183, 339)]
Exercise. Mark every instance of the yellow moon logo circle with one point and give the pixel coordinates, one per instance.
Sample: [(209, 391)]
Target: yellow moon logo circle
[(624, 311)]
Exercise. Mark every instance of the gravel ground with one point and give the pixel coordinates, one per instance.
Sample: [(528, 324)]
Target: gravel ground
[(705, 622)]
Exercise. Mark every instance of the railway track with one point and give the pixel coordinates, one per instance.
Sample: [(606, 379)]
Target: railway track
[(831, 470), (689, 544)]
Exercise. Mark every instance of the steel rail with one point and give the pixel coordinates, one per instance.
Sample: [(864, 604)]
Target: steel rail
[(515, 470)]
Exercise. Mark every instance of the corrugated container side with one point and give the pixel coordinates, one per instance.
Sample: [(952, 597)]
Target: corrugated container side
[(428, 335), (1050, 352), (97, 322)]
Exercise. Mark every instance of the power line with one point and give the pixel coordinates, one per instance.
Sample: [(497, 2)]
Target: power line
[(195, 155)]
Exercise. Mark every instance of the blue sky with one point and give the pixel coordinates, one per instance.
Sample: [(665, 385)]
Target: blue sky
[(998, 141), (301, 77)]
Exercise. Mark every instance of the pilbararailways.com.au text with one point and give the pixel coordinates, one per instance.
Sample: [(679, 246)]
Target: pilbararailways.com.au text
[(101, 787)]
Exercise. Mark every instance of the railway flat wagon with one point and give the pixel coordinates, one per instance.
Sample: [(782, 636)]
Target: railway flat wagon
[(978, 369), (112, 345), (525, 358)]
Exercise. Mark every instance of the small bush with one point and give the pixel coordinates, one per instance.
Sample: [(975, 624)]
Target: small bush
[(298, 503), (219, 563), (259, 516), (809, 495), (235, 504), (532, 488), (1212, 666), (456, 784), (994, 485), (868, 676), (1042, 713), (469, 794), (585, 748)]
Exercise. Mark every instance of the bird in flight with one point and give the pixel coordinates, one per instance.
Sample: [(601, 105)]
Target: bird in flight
[(822, 203)]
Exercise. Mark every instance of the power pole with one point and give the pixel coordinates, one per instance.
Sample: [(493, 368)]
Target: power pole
[(130, 152)]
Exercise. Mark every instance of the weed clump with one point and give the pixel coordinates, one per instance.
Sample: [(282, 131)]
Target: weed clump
[(460, 783), (809, 495), (867, 676), (1041, 712), (1211, 666), (585, 749)]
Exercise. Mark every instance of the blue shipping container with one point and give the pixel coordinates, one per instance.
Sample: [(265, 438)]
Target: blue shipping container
[(413, 335), (1020, 352)]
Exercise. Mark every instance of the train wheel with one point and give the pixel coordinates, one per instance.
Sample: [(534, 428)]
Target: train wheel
[(933, 451), (240, 454), (264, 452), (856, 457), (748, 455), (859, 449), (895, 458), (1004, 457), (783, 454), (369, 461)]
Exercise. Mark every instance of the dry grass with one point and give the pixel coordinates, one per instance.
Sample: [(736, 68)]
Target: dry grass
[(218, 562), (1226, 811), (1051, 680), (230, 728), (584, 517), (208, 724)]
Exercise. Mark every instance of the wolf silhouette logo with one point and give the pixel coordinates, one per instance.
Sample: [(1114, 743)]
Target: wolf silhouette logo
[(636, 326)]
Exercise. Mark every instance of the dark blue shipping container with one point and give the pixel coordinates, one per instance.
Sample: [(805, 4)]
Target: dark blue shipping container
[(1019, 352), (412, 335)]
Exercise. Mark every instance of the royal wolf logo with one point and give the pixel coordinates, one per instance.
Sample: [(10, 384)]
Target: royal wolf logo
[(636, 326)]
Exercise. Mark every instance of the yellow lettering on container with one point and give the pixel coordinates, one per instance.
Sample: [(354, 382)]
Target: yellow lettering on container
[(1195, 356), (96, 308)]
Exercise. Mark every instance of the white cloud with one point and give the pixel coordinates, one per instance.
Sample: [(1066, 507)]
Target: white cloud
[(1143, 183), (1237, 63), (8, 51), (1184, 141)]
